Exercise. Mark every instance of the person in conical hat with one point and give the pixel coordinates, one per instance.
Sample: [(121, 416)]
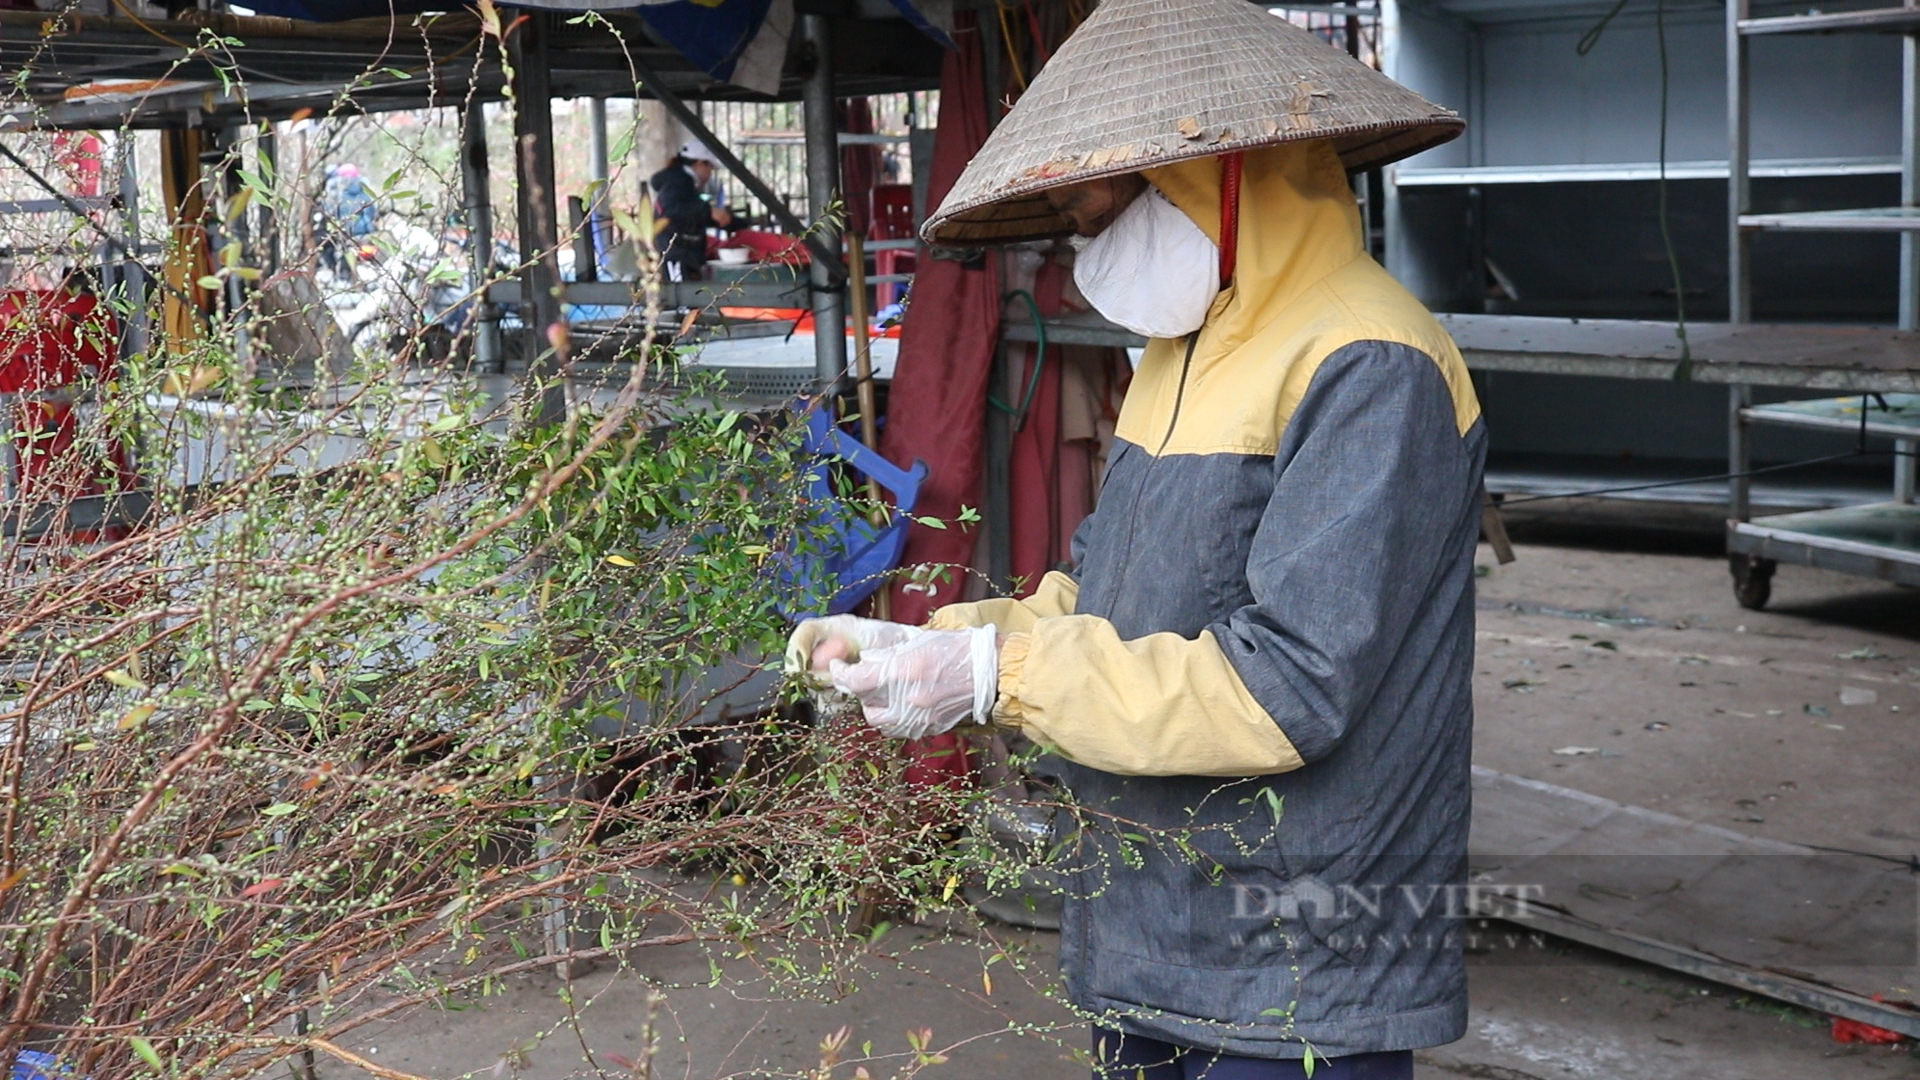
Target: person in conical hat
[(1265, 652)]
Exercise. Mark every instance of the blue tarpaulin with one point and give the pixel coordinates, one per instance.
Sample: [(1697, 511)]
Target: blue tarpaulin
[(743, 42)]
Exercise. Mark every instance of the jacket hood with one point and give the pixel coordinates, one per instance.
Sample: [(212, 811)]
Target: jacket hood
[(1298, 224)]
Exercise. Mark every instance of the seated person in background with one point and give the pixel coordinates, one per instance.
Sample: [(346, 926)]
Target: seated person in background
[(682, 214)]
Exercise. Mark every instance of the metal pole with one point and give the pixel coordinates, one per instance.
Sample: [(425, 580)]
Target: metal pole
[(1739, 288), (477, 201), (586, 256), (1904, 465), (997, 477), (1739, 190), (267, 146), (997, 471), (1909, 163), (539, 224), (137, 329), (597, 138), (1906, 469), (222, 155), (1394, 255), (823, 187), (1739, 454), (599, 170)]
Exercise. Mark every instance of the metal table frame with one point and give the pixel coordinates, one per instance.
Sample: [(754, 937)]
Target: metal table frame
[(1851, 540)]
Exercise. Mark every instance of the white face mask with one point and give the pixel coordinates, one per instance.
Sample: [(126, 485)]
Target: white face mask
[(1152, 271)]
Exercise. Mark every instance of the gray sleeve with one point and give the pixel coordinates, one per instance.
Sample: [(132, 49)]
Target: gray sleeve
[(1375, 497), (1077, 544)]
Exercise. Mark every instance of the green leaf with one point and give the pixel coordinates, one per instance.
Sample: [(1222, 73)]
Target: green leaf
[(1306, 1063), (930, 522), (146, 1052), (280, 809)]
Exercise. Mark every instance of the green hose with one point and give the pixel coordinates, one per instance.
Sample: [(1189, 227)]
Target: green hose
[(1039, 358)]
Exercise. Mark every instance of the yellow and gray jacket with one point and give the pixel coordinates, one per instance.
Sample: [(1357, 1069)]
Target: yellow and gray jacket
[(1272, 617)]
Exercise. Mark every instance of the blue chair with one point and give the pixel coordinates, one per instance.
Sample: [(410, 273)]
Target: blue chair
[(36, 1065), (859, 553)]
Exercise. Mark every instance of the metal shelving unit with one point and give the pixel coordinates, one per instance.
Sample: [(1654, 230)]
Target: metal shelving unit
[(1874, 540), (1641, 172)]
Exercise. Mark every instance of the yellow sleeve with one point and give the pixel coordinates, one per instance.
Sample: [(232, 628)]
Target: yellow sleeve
[(1160, 705), (1055, 596)]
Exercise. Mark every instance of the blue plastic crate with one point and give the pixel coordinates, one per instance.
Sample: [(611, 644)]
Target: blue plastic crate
[(37, 1065)]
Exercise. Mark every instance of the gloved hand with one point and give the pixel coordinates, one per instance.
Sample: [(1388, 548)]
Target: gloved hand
[(926, 684), (852, 634)]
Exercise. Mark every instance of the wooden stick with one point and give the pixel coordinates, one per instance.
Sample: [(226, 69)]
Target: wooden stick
[(1494, 528), (863, 388)]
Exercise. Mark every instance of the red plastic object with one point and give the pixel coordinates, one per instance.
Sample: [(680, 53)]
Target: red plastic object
[(1854, 1031), (766, 246), (53, 344), (892, 220), (49, 338), (892, 212)]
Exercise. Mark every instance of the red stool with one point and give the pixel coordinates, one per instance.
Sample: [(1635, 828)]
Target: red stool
[(892, 220)]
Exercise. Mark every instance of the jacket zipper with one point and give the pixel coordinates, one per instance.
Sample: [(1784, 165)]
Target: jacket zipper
[(1180, 392), (1139, 489)]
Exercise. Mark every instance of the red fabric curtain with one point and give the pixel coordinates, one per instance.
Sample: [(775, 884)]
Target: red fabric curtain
[(936, 410), (937, 403), (1034, 465)]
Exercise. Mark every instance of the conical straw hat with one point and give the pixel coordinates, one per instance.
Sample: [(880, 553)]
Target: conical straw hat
[(1144, 83)]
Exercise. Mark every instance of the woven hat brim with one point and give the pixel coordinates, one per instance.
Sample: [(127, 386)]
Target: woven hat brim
[(1146, 83), (1026, 216)]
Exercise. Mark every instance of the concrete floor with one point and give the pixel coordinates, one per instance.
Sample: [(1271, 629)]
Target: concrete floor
[(1797, 723)]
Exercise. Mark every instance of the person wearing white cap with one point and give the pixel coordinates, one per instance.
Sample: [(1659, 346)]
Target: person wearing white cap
[(682, 212), (1262, 662)]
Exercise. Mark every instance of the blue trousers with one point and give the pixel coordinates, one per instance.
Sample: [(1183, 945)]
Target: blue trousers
[(1132, 1057)]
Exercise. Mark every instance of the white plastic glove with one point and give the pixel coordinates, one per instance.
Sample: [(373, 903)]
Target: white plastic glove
[(927, 684), (854, 634)]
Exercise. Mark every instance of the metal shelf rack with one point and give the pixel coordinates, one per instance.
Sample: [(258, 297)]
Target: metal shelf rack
[(1874, 540), (1640, 172)]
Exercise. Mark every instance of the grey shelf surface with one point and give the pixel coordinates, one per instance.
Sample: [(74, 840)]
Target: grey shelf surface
[(1602, 172), (1866, 219), (1841, 358), (1871, 20), (1879, 540), (673, 294), (1521, 475), (1899, 419)]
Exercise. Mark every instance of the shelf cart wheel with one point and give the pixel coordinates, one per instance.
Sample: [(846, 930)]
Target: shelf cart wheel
[(1752, 580)]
